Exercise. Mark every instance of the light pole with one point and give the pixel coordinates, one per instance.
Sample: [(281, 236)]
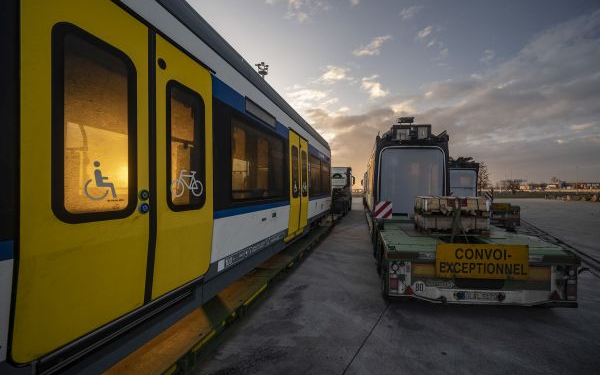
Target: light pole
[(263, 69)]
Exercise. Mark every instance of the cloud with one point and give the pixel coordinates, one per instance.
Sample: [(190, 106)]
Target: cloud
[(373, 48), (580, 127), (424, 33), (334, 74), (410, 12), (354, 134), (306, 98), (488, 56), (403, 107), (535, 115), (372, 87), (302, 11)]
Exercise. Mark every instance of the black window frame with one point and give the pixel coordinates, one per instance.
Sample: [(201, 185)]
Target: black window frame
[(9, 107), (325, 178), (260, 129), (294, 172), (59, 32), (315, 191), (223, 114), (200, 131), (304, 173)]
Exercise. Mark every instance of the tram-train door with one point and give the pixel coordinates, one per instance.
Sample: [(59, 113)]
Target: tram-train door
[(298, 184), (183, 169), (83, 240)]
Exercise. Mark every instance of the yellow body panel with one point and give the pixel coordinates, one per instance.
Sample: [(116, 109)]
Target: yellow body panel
[(294, 141), (298, 205), (303, 199), (72, 278), (184, 238)]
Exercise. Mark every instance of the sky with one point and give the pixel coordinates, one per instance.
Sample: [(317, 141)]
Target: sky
[(516, 83)]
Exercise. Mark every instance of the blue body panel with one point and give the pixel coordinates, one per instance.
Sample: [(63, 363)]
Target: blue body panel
[(6, 250), (248, 209)]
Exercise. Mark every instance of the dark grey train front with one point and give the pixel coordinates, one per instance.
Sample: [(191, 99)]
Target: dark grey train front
[(406, 161)]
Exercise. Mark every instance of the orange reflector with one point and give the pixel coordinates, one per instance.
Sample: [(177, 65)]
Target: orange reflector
[(423, 269), (394, 284), (539, 273)]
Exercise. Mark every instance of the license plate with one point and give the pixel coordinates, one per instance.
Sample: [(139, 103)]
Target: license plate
[(482, 261), (480, 296)]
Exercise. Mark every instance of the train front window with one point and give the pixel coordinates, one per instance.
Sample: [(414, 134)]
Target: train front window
[(185, 119), (93, 124), (406, 173), (463, 182), (257, 163)]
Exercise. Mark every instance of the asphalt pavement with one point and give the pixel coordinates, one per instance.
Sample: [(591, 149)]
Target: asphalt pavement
[(328, 317)]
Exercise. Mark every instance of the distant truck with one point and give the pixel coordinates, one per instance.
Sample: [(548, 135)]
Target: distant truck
[(440, 248), (341, 186)]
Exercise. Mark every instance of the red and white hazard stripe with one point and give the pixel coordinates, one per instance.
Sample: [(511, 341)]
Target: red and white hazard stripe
[(383, 210)]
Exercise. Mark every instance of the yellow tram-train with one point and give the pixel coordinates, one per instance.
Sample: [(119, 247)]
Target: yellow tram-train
[(145, 166)]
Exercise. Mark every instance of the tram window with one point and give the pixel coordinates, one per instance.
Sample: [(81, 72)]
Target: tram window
[(304, 175), (315, 175), (185, 127), (325, 178), (93, 128), (257, 163), (295, 182)]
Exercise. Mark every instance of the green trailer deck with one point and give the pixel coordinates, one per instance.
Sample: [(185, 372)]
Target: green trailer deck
[(408, 267), (400, 240)]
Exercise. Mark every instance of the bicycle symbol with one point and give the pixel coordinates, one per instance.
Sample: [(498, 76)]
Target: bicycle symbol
[(99, 179), (178, 186)]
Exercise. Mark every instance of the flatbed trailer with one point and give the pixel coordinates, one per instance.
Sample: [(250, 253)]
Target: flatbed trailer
[(492, 266), (408, 268)]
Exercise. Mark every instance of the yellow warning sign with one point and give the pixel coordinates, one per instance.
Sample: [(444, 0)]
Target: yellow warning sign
[(482, 261)]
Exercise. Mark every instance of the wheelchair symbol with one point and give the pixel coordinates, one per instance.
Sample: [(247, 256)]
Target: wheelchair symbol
[(99, 179)]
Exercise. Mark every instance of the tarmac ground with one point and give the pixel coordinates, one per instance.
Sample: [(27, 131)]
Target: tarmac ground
[(328, 317)]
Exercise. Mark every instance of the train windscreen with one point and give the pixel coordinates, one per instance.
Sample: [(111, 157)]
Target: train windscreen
[(406, 173), (463, 182)]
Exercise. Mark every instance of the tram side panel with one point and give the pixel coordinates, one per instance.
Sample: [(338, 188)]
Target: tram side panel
[(79, 234), (116, 205), (253, 185)]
